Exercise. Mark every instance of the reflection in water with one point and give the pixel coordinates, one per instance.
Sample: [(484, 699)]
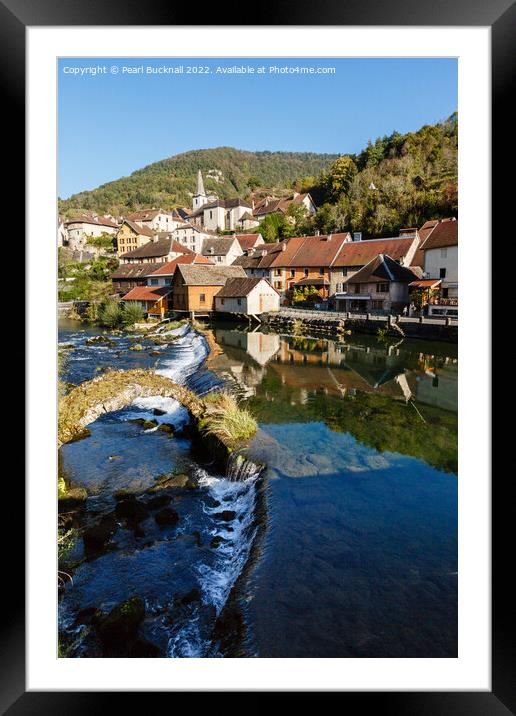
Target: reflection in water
[(360, 439)]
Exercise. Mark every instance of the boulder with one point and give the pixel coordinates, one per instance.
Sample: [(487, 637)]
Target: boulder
[(122, 622), (96, 536), (131, 510), (166, 517), (149, 424), (166, 428), (155, 503), (226, 515)]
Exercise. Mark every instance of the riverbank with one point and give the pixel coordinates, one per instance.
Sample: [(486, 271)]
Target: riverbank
[(337, 324)]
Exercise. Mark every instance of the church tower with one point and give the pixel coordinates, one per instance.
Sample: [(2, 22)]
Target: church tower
[(199, 198)]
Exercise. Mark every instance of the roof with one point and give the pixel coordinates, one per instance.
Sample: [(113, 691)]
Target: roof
[(224, 203), (425, 283), (146, 214), (238, 287), (169, 268), (141, 230), (208, 275), (91, 219), (147, 293), (247, 216), (305, 251), (219, 246), (259, 258), (383, 268), (161, 247), (315, 281), (132, 271), (269, 206), (445, 233), (247, 241), (359, 253), (201, 229)]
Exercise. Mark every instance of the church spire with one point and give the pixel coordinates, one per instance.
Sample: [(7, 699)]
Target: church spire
[(200, 185)]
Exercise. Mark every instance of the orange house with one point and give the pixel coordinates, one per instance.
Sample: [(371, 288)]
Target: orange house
[(154, 299)]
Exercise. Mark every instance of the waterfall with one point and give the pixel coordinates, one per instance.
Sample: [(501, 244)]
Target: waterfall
[(240, 468)]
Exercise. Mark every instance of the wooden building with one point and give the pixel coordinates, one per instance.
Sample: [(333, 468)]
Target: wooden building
[(195, 286)]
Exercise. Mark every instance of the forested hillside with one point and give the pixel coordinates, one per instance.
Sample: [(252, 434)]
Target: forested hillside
[(396, 181), (227, 172)]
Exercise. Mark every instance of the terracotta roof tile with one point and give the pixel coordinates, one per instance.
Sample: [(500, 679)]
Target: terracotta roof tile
[(147, 293), (359, 253), (169, 268)]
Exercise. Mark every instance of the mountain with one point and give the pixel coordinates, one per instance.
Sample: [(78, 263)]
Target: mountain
[(226, 172)]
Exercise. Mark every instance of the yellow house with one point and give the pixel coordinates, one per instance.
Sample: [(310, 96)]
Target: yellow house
[(131, 236)]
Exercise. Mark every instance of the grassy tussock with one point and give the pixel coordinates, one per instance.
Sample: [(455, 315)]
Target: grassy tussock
[(226, 420)]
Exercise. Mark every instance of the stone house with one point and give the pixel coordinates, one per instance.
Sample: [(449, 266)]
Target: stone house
[(155, 219), (192, 236), (87, 225)]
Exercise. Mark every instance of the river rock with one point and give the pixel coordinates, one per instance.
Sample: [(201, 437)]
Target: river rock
[(100, 340), (96, 536), (193, 595), (166, 517), (131, 510), (122, 622), (226, 515), (136, 347), (166, 428), (165, 481), (149, 424), (155, 503)]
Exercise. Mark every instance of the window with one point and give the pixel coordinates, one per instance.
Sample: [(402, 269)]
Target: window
[(292, 273), (444, 253), (277, 272), (321, 271), (202, 298), (222, 301), (154, 282), (445, 293), (442, 273), (219, 259), (239, 301), (306, 272), (339, 288), (382, 288), (356, 287)]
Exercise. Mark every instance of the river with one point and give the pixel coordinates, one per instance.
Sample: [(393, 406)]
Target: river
[(345, 547)]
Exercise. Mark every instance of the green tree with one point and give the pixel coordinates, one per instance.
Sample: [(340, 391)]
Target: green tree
[(110, 314), (132, 313), (340, 176)]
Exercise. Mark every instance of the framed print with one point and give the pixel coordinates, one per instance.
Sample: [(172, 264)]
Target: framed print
[(271, 473)]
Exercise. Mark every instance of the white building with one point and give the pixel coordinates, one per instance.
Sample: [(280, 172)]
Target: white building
[(250, 296), (222, 249), (192, 236), (85, 226), (155, 219), (441, 249), (217, 214)]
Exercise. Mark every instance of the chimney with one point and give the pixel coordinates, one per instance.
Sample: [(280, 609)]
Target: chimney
[(357, 236)]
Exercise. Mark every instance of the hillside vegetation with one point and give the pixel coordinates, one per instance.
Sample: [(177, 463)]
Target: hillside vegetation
[(172, 181), (396, 181)]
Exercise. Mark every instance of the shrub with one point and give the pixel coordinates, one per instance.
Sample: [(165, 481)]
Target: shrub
[(110, 314), (132, 313)]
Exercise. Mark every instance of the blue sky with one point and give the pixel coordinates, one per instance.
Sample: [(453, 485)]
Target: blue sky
[(111, 122)]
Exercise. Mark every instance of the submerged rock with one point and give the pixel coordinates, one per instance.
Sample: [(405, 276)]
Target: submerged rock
[(149, 424), (154, 503), (131, 510), (122, 622), (166, 428), (96, 536), (193, 595), (166, 517), (226, 515)]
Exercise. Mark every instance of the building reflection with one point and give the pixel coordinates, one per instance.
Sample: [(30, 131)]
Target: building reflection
[(339, 368)]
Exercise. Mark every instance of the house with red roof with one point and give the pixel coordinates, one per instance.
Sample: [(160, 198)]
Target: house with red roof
[(249, 241), (159, 249), (154, 299), (440, 252), (163, 273)]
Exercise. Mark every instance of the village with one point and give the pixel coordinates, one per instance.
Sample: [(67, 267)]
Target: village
[(211, 259)]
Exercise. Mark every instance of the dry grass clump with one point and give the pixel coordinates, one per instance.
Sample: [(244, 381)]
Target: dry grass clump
[(226, 420)]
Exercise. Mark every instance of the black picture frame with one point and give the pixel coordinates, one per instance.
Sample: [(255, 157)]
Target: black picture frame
[(500, 15)]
